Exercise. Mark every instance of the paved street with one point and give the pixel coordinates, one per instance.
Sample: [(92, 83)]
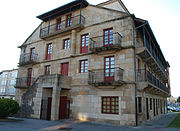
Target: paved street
[(159, 124)]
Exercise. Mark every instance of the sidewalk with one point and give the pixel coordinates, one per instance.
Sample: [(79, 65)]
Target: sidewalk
[(161, 121)]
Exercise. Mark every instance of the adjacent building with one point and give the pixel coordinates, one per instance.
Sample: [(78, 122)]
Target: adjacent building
[(7, 82), (92, 62)]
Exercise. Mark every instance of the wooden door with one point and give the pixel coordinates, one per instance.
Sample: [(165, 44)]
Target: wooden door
[(49, 108), (109, 68), (147, 109), (32, 54), (84, 43), (64, 68), (63, 107), (29, 75)]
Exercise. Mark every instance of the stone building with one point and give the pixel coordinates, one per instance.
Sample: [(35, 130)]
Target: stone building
[(92, 62), (7, 82)]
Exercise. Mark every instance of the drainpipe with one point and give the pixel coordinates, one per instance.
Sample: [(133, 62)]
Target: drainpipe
[(135, 72), (134, 42)]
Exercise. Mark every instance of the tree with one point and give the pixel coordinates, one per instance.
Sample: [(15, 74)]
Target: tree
[(178, 99), (8, 107)]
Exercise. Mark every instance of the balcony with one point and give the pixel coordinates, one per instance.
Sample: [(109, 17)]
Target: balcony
[(24, 82), (28, 58), (100, 43), (65, 26), (152, 80), (152, 53), (109, 77), (55, 80)]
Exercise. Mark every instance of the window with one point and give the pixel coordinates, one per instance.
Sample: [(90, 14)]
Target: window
[(110, 104), (58, 24), (84, 43), (64, 68), (108, 37), (150, 103), (48, 51), (32, 54), (109, 67), (66, 43), (47, 70), (29, 75), (83, 66), (68, 20), (139, 104)]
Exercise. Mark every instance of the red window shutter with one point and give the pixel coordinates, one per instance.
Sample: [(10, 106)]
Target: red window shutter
[(48, 51), (109, 68), (84, 43), (64, 68), (58, 24), (108, 37), (29, 75)]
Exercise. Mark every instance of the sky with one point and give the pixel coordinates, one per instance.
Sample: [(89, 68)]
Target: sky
[(18, 21)]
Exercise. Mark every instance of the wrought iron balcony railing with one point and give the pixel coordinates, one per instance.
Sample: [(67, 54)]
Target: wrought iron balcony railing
[(100, 43), (106, 77), (155, 55), (28, 58), (64, 25), (24, 82), (144, 75)]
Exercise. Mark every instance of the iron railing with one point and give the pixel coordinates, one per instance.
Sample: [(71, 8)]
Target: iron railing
[(99, 43), (145, 75), (155, 54), (24, 82), (65, 24), (28, 58), (113, 76)]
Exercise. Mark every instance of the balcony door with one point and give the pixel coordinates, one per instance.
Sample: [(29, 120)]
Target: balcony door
[(29, 75), (68, 20), (32, 52), (109, 70), (64, 68), (58, 24), (108, 37)]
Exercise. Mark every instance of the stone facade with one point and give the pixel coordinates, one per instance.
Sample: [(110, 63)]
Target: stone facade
[(85, 93)]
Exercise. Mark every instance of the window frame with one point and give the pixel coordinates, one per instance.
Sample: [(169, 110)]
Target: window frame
[(116, 110), (47, 70), (139, 104), (108, 37), (66, 46), (48, 51), (32, 53), (69, 20), (58, 24), (84, 49), (84, 70), (109, 69)]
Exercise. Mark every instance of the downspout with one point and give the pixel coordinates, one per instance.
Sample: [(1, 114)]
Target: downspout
[(134, 43), (135, 71)]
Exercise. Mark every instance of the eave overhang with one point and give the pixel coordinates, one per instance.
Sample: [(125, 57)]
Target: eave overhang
[(72, 6)]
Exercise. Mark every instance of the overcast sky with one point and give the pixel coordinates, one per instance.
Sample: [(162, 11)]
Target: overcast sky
[(18, 20)]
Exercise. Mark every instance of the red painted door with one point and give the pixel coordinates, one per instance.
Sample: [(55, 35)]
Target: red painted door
[(108, 37), (109, 68), (64, 68), (84, 43), (32, 54), (29, 75), (63, 107), (49, 108)]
